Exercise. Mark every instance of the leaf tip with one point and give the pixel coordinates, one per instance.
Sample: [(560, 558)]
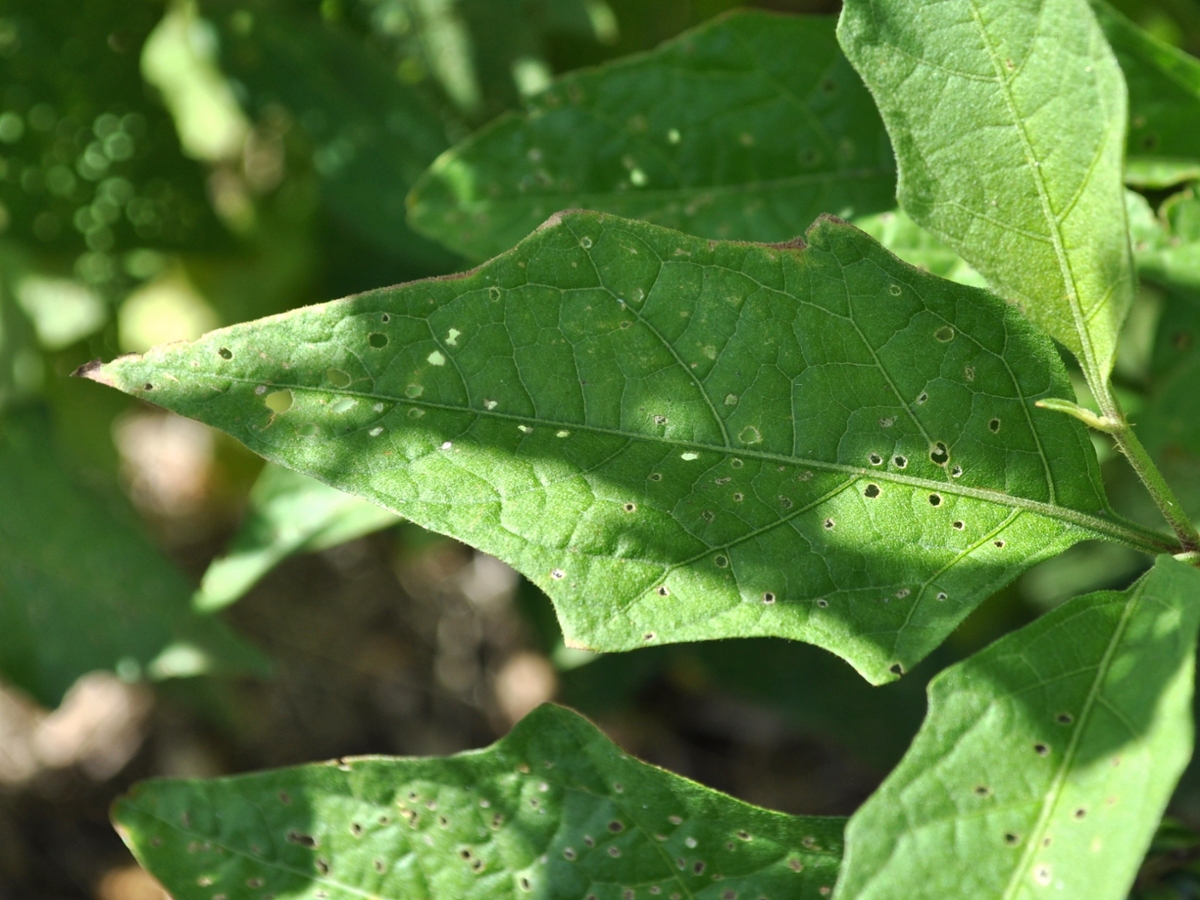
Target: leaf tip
[(91, 370)]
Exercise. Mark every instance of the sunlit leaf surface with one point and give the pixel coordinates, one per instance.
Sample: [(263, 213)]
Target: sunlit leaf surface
[(746, 128), (553, 810), (1017, 163), (680, 439), (1045, 761)]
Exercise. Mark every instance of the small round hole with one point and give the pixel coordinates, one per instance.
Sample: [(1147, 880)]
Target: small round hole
[(1041, 749), (994, 425), (829, 524), (944, 334), (721, 561), (935, 499), (871, 491), (377, 340), (959, 524), (901, 462), (875, 459), (225, 353), (664, 591), (768, 598), (822, 602), (630, 507), (939, 455), (999, 544)]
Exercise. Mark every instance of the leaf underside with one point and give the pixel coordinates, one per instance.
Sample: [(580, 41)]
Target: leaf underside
[(680, 439), (288, 513), (553, 810), (1045, 761), (748, 127), (1018, 165)]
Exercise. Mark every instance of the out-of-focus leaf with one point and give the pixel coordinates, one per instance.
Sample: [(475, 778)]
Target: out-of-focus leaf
[(1167, 245), (80, 587), (1164, 103), (917, 247), (288, 513), (1017, 164), (91, 165), (21, 368), (680, 439), (554, 809), (1046, 760), (746, 128), (371, 133)]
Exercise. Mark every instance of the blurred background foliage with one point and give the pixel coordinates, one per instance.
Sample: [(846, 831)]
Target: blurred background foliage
[(169, 608)]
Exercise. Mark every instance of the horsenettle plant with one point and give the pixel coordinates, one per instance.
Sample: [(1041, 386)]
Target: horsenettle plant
[(683, 430)]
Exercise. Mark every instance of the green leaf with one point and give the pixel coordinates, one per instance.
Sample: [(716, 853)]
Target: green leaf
[(1046, 760), (288, 513), (1008, 120), (81, 126), (80, 587), (371, 134), (917, 247), (554, 809), (1164, 103), (680, 439), (746, 128)]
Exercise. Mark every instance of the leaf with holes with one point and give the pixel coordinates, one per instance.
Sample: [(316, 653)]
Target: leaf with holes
[(748, 128), (1046, 760), (81, 588), (1018, 164), (1164, 101), (554, 809), (289, 513), (680, 439)]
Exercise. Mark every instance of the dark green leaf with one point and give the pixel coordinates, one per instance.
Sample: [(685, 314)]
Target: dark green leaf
[(371, 134), (1008, 119), (680, 439), (80, 587), (288, 513), (1164, 103), (746, 128), (1045, 761), (91, 164), (554, 809)]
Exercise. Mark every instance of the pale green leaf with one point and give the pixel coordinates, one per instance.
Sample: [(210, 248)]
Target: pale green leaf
[(81, 588), (288, 513), (1164, 103), (554, 810), (747, 128), (1008, 119), (1045, 761), (680, 439), (917, 247)]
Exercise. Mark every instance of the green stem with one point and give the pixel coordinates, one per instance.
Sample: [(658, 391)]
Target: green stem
[(1127, 442)]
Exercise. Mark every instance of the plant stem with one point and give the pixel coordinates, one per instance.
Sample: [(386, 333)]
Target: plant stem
[(1127, 442)]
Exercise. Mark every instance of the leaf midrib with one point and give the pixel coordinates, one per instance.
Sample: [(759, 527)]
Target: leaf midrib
[(1050, 803), (1127, 532), (1034, 165)]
